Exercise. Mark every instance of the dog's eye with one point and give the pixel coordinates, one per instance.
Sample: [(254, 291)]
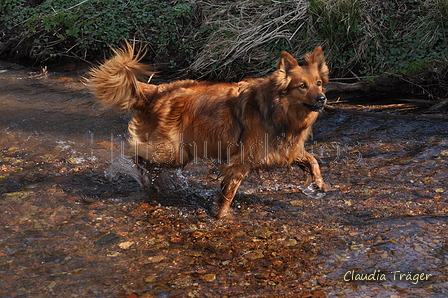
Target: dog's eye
[(319, 83), (303, 86)]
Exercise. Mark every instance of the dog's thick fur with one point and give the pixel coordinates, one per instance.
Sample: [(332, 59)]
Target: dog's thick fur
[(255, 123)]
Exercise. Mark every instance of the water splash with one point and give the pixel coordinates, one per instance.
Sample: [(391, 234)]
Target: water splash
[(124, 165)]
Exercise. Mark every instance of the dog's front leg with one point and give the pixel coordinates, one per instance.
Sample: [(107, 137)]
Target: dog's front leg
[(314, 185), (144, 169), (229, 186)]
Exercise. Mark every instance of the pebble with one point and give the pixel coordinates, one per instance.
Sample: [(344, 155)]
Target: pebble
[(182, 282), (291, 242), (262, 232), (156, 259), (297, 203), (254, 255), (17, 196), (151, 278), (209, 277), (125, 245)]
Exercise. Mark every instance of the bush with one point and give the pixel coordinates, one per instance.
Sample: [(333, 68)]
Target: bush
[(229, 40), (85, 29)]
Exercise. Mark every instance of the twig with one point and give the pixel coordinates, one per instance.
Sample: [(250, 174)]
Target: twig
[(442, 103), (352, 78), (410, 82), (54, 13), (80, 3), (388, 116), (416, 101)]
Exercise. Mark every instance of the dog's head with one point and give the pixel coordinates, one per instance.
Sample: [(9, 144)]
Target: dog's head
[(303, 84)]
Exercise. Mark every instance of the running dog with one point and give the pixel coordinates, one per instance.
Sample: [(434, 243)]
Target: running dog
[(248, 125)]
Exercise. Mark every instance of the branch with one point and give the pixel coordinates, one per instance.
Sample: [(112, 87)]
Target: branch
[(388, 116), (442, 103)]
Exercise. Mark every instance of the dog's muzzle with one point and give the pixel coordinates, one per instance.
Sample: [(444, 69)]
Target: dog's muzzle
[(319, 105)]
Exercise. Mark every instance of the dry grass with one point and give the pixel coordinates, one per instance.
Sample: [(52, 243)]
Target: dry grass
[(244, 30), (360, 38), (255, 32)]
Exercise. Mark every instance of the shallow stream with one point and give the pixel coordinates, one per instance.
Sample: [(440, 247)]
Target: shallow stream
[(74, 223)]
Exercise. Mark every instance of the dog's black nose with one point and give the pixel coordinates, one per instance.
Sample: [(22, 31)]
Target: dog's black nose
[(320, 98)]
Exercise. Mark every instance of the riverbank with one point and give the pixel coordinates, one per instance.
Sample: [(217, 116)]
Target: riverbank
[(231, 40)]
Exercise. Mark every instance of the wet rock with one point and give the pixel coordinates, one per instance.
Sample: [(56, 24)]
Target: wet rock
[(182, 282), (291, 242), (76, 160), (17, 196), (321, 281), (113, 254), (219, 246), (209, 277), (262, 232), (156, 259), (126, 245), (363, 213), (176, 240), (255, 255), (277, 263), (194, 254), (4, 177), (297, 203), (148, 295), (107, 239), (197, 234), (151, 278)]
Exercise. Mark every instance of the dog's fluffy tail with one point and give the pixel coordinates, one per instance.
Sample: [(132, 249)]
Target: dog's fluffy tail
[(116, 82)]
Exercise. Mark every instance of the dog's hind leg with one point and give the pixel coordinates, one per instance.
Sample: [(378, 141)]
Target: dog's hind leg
[(314, 184), (229, 187)]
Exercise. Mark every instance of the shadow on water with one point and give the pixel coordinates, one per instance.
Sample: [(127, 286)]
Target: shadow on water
[(75, 222)]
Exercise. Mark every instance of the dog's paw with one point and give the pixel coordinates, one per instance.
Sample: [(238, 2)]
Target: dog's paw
[(313, 191), (224, 213)]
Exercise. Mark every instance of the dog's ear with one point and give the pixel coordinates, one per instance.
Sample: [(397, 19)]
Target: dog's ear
[(287, 62), (317, 58), (284, 66)]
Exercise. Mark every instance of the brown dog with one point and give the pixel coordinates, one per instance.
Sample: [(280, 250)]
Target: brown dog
[(256, 123)]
